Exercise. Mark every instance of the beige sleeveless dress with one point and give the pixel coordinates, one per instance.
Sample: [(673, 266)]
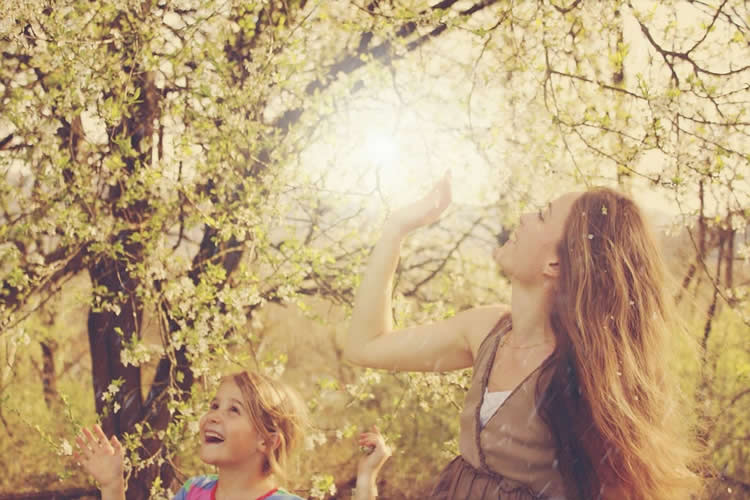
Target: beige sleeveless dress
[(513, 457)]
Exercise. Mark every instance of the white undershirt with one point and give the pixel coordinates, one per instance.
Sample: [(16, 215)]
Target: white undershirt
[(490, 403)]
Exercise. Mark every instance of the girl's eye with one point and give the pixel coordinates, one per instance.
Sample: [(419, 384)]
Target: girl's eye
[(235, 409), (214, 406)]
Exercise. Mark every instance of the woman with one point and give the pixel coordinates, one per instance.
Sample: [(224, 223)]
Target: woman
[(570, 396)]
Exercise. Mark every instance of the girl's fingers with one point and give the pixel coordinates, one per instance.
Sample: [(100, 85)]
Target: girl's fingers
[(89, 436), (91, 443), (83, 444), (116, 445), (100, 436)]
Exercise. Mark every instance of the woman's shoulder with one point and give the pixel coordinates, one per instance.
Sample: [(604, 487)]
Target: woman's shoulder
[(482, 320)]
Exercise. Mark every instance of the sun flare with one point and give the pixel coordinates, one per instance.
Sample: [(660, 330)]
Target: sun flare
[(393, 153), (381, 149)]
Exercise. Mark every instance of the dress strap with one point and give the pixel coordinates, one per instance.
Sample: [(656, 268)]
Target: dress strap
[(486, 359), (469, 439), (500, 329)]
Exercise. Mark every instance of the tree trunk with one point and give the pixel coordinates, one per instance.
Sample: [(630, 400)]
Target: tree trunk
[(108, 331)]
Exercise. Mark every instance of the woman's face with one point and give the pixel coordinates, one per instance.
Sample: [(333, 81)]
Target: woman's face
[(527, 256)]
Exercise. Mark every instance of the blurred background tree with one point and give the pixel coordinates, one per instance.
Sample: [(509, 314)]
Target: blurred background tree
[(192, 187)]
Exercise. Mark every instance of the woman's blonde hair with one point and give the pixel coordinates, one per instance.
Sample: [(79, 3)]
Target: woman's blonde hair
[(277, 413), (612, 401)]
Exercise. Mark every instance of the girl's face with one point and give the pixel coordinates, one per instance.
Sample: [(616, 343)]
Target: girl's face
[(227, 434), (527, 256)]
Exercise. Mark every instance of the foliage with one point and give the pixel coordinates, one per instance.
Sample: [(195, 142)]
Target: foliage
[(177, 191)]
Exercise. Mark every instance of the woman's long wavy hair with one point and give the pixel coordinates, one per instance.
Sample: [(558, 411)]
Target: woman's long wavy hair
[(612, 401)]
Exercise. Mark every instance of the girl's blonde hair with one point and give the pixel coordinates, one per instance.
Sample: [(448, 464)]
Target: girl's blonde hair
[(278, 414), (613, 402)]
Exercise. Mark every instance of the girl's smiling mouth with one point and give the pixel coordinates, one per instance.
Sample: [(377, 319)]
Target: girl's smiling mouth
[(212, 437)]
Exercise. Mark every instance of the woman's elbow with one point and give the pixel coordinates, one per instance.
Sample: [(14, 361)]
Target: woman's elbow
[(349, 351), (353, 354)]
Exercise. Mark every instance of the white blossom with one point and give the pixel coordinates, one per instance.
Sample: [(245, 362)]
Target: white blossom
[(65, 448)]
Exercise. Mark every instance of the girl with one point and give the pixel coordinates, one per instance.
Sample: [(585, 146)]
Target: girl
[(251, 426), (570, 397)]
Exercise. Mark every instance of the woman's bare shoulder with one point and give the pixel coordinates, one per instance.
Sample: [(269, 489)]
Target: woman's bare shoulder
[(479, 322)]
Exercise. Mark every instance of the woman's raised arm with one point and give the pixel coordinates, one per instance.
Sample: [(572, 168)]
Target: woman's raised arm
[(371, 341)]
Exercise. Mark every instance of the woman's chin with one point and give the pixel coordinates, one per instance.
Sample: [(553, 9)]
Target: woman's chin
[(504, 265), (500, 257)]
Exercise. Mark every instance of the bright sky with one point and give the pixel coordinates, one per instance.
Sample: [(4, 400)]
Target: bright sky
[(406, 147), (412, 137)]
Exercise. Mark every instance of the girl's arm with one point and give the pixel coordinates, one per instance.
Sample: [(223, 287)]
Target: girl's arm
[(369, 465), (102, 458), (442, 346)]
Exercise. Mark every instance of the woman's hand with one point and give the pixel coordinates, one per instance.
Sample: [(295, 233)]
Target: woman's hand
[(101, 457), (370, 464), (425, 210)]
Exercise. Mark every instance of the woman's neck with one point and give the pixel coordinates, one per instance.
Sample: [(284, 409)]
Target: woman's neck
[(239, 484), (530, 314)]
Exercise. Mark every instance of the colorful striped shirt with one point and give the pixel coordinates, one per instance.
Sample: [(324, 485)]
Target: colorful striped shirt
[(204, 488)]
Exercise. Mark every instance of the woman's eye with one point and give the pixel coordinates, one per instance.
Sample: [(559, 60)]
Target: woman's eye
[(214, 406), (235, 409)]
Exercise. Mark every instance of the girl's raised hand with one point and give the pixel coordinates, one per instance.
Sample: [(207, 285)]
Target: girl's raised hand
[(370, 464), (101, 457), (425, 210)]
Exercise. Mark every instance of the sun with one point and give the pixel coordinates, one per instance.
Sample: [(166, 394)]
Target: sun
[(369, 148), (381, 153), (381, 148)]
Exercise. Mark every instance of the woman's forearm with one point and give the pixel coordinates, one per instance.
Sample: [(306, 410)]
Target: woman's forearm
[(371, 315)]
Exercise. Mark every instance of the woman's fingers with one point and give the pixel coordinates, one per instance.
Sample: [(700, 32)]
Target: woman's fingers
[(426, 209), (445, 188), (441, 197)]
